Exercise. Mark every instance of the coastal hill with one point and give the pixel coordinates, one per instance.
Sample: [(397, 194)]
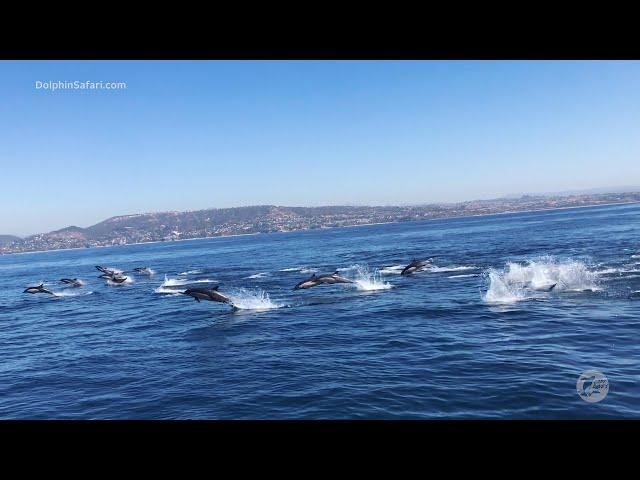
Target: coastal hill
[(167, 226), (8, 239)]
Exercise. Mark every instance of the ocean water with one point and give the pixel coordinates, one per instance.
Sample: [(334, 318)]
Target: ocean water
[(476, 334)]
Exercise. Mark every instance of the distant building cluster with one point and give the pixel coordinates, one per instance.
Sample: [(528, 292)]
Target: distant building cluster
[(170, 226)]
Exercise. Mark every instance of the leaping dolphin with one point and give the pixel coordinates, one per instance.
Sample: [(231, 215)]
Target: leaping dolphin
[(334, 278), (312, 281), (71, 281), (414, 266), (105, 270), (545, 288), (111, 275), (39, 289), (143, 270), (117, 279), (209, 294), (315, 280)]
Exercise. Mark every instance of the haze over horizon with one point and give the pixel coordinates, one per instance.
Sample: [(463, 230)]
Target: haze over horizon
[(197, 135)]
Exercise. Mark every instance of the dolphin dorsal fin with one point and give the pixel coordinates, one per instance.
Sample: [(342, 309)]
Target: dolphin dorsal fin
[(41, 285), (216, 287)]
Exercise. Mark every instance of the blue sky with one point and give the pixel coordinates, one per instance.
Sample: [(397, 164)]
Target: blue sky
[(192, 135)]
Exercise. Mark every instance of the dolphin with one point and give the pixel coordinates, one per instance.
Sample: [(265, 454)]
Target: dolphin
[(315, 280), (105, 270), (39, 289), (413, 267), (334, 278), (312, 281), (111, 275), (545, 288), (117, 279), (210, 294), (143, 270), (71, 281)]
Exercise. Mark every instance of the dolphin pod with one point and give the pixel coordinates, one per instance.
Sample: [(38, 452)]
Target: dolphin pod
[(213, 295), (199, 294)]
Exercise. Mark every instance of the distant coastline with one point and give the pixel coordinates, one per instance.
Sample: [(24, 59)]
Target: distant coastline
[(512, 212)]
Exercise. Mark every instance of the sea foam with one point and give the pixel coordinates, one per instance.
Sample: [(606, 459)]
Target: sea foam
[(244, 299), (178, 282), (366, 279), (519, 281), (71, 293)]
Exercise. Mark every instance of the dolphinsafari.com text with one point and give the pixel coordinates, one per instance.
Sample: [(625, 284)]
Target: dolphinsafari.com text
[(52, 85)]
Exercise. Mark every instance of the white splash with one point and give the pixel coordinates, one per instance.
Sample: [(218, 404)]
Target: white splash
[(300, 269), (518, 281), (245, 299), (463, 276), (620, 271), (116, 271), (71, 293), (258, 275), (450, 268), (392, 270), (351, 268), (367, 280), (128, 281), (500, 291), (607, 271), (191, 272), (178, 282), (168, 291)]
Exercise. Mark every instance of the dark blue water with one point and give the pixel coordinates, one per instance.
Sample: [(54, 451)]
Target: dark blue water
[(474, 335)]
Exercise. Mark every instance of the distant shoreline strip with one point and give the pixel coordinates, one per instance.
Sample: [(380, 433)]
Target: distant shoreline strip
[(509, 212)]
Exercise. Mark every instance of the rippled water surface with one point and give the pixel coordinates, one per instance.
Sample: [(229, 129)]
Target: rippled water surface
[(500, 324)]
